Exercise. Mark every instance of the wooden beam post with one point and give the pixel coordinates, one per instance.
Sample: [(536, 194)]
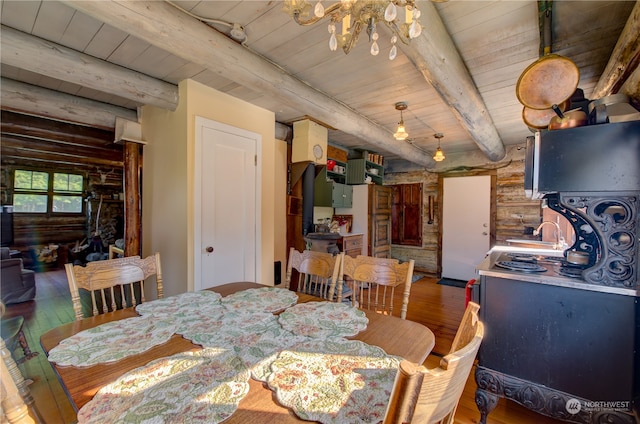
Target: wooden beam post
[(132, 202)]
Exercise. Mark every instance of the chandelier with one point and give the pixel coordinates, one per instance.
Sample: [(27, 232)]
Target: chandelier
[(439, 155), (354, 15)]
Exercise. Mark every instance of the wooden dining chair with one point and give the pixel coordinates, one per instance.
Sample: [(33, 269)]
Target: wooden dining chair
[(424, 396), (118, 283), (374, 281), (17, 406), (318, 273), (14, 410), (115, 252), (12, 332)]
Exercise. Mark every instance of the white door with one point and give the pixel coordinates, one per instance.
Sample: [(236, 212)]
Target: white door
[(226, 222), (465, 225)]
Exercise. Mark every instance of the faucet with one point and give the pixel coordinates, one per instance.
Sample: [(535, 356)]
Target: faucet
[(559, 239)]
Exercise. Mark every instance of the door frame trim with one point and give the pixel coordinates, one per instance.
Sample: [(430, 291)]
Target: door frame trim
[(197, 198), (492, 206)]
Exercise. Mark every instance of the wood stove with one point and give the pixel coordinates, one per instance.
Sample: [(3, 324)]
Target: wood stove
[(568, 346)]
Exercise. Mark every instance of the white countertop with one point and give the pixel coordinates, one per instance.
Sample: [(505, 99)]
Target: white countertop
[(487, 268)]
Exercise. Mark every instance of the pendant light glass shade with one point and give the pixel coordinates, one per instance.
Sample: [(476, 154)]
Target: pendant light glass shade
[(401, 132), (439, 155)]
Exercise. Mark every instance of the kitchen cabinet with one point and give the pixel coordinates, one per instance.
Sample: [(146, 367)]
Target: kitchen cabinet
[(359, 169), (351, 244), (328, 192)]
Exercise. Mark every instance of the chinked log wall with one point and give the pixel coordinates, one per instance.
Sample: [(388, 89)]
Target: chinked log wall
[(34, 143), (511, 204)]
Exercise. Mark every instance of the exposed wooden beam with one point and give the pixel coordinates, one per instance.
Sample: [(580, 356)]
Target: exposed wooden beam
[(49, 146), (31, 126), (164, 26), (623, 62), (22, 155), (435, 55), (43, 57), (53, 104)]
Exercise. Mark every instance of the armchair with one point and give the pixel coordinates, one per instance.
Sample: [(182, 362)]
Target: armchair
[(16, 283)]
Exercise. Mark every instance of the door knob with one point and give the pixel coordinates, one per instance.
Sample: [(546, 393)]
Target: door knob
[(484, 233), (209, 249)]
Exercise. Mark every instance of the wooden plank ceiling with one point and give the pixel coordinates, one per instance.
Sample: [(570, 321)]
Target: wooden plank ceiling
[(458, 77)]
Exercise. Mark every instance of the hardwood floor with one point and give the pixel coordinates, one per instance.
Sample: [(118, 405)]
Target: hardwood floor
[(438, 307)]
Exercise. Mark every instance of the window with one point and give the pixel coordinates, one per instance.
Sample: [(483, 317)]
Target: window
[(42, 192), (406, 214)]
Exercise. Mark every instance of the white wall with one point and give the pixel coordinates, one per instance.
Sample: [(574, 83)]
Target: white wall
[(167, 193)]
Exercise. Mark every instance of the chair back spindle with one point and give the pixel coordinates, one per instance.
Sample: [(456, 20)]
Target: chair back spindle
[(119, 283), (374, 282), (318, 273)]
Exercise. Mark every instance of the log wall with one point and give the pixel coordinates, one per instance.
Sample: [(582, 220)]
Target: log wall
[(29, 142), (511, 204)]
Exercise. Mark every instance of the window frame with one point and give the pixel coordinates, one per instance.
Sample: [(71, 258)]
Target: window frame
[(50, 192)]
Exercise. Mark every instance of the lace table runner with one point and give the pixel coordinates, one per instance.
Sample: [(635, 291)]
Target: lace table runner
[(334, 380), (113, 341), (197, 388), (267, 299), (323, 319)]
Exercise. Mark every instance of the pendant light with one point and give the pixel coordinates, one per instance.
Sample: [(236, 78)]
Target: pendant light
[(401, 132), (439, 155)]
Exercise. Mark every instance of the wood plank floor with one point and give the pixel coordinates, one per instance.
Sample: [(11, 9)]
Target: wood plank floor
[(438, 307)]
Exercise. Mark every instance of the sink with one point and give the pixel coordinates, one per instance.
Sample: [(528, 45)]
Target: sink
[(535, 244)]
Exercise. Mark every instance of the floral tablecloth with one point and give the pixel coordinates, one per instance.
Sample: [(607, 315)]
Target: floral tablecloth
[(301, 354), (323, 319), (267, 299), (182, 305), (113, 341), (334, 380), (197, 388)]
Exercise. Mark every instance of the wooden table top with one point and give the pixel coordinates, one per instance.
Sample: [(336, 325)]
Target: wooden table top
[(407, 339)]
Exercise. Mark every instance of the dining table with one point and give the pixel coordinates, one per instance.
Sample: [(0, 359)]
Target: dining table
[(407, 339)]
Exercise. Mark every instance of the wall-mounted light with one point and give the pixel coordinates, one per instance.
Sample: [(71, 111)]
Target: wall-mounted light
[(439, 155), (401, 132)]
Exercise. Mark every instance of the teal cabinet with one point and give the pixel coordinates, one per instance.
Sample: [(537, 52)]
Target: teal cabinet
[(330, 193)]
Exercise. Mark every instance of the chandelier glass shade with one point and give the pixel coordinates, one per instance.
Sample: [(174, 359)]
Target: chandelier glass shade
[(439, 155), (401, 132), (356, 15)]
